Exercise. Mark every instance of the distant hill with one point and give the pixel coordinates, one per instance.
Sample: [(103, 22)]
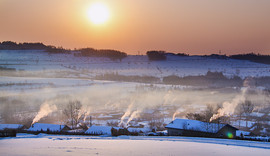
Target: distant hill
[(115, 54), (253, 57), (9, 45)]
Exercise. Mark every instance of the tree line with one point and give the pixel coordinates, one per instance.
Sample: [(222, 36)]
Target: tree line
[(9, 45), (109, 53)]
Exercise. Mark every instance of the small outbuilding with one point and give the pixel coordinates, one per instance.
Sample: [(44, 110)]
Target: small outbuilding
[(186, 127)]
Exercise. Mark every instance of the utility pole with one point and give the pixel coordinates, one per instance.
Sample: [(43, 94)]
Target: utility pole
[(90, 121)]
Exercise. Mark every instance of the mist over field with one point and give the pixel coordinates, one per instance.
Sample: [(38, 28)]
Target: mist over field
[(37, 87)]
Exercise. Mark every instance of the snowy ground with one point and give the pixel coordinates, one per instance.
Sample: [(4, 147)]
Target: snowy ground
[(26, 144), (34, 61)]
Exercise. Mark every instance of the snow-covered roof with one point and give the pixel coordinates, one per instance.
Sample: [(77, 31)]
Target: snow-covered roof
[(195, 125), (238, 133), (45, 127), (99, 130), (10, 126)]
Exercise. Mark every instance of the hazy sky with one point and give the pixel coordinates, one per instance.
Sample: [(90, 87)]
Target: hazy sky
[(190, 26)]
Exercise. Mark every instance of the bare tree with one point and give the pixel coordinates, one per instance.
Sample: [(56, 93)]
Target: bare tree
[(247, 109), (208, 113), (204, 116), (195, 116), (239, 111), (72, 112)]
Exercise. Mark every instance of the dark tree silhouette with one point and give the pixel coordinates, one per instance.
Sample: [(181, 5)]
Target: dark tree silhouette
[(112, 54), (72, 112), (156, 55)]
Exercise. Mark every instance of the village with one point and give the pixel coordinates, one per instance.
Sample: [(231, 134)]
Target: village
[(177, 127)]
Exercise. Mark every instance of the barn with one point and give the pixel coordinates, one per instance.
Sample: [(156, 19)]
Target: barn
[(48, 128), (186, 127)]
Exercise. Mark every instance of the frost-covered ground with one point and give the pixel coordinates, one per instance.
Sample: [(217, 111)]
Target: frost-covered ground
[(131, 65), (26, 144)]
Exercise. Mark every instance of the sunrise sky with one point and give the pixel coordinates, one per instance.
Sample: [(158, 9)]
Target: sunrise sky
[(135, 26)]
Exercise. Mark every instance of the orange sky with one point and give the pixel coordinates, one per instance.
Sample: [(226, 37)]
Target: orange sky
[(190, 26)]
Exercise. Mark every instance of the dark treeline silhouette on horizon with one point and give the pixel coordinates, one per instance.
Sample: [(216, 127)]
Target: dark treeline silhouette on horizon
[(91, 52), (156, 55), (153, 55), (9, 45), (253, 57)]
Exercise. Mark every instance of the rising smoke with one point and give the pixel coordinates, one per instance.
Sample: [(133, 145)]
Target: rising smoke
[(228, 108), (133, 103), (45, 110)]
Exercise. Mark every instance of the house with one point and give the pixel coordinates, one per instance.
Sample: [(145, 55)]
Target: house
[(186, 127), (99, 130), (10, 130), (16, 127), (116, 131), (79, 129), (44, 127)]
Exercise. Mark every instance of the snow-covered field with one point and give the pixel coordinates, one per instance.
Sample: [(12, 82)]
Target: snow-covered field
[(42, 144), (131, 65)]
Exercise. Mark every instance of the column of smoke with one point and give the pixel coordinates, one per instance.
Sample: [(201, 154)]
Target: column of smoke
[(135, 114), (87, 113), (127, 113), (146, 101), (45, 110), (84, 112), (229, 107), (176, 113)]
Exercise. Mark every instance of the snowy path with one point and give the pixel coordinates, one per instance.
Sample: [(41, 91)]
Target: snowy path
[(42, 144)]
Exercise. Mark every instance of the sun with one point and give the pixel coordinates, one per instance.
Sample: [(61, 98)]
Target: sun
[(98, 13)]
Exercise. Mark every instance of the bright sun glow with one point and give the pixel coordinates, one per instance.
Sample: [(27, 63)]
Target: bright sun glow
[(98, 13)]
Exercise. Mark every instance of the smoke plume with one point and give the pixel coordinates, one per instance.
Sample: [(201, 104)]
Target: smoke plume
[(45, 110), (229, 107), (87, 113), (127, 113), (135, 114)]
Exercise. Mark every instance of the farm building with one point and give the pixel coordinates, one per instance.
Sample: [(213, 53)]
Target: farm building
[(99, 130), (79, 129), (107, 130), (186, 127), (10, 130), (16, 127), (44, 127)]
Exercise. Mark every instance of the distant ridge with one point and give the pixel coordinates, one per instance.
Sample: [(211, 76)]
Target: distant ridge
[(115, 54)]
